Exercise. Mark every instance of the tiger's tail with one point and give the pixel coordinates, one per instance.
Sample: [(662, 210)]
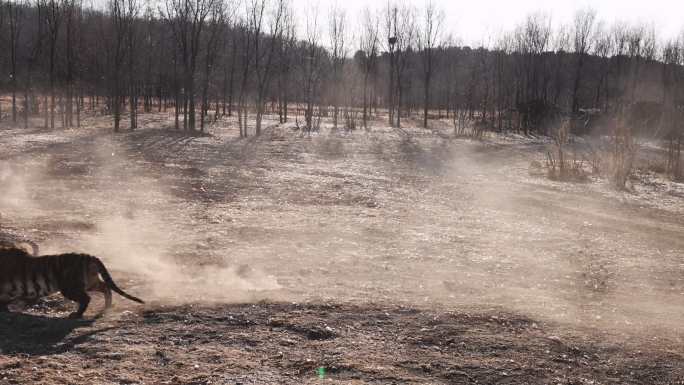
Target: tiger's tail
[(110, 282)]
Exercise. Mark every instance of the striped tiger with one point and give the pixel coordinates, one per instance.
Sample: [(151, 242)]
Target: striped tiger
[(24, 277)]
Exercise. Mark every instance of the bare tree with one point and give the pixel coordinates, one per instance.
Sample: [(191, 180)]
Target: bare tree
[(673, 80), (229, 79), (368, 45), (15, 20), (244, 31), (482, 76), (53, 20), (619, 34), (561, 47), (286, 52), (640, 44), (264, 50), (602, 48), (187, 21), (532, 39), (391, 21), (503, 79), (132, 15), (338, 53), (429, 41), (72, 21), (583, 31), (311, 68), (151, 52), (642, 48), (401, 34), (116, 37), (33, 56), (215, 29)]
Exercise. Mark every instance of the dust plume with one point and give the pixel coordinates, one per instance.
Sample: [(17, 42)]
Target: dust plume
[(551, 249), (128, 226), (15, 196), (143, 247)]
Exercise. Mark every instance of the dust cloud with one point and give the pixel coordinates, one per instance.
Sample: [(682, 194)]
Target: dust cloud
[(15, 197), (558, 251), (424, 222), (126, 226), (143, 246)]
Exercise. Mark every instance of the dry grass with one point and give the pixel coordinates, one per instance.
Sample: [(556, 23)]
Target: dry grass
[(430, 259)]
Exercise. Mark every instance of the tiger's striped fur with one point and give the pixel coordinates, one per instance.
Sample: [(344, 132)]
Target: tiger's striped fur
[(25, 277)]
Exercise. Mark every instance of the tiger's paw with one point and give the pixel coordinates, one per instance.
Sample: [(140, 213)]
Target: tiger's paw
[(75, 315)]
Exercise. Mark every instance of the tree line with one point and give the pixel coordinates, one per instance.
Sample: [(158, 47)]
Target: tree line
[(206, 59)]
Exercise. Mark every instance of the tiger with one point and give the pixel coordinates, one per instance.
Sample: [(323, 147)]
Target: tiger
[(25, 277)]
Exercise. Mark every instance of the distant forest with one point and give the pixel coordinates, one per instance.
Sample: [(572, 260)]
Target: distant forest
[(205, 59)]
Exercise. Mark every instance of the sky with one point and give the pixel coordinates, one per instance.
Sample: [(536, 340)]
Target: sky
[(474, 22)]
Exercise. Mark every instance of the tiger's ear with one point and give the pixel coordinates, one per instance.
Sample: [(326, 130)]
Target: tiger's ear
[(15, 250), (25, 247)]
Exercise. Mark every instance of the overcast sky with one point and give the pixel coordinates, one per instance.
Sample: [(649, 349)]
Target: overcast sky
[(473, 21)]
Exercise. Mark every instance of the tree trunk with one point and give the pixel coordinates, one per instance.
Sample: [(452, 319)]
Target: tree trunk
[(46, 106), (185, 110), (365, 99), (133, 106), (26, 96), (116, 106), (426, 99), (399, 92), (78, 108), (191, 102), (14, 99), (52, 86), (575, 88)]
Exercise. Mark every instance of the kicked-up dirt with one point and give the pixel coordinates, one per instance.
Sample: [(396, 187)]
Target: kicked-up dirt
[(378, 256)]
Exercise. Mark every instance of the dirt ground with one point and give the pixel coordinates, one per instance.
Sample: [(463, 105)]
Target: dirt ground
[(378, 256)]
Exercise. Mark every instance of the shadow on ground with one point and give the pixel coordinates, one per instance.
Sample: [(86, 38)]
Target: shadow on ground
[(30, 334)]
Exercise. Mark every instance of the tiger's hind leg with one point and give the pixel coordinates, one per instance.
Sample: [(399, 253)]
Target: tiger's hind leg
[(81, 297), (107, 294), (102, 287)]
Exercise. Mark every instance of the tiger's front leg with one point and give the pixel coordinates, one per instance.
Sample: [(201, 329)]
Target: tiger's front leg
[(79, 296)]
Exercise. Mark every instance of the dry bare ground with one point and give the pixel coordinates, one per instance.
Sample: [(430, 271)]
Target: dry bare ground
[(381, 257)]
